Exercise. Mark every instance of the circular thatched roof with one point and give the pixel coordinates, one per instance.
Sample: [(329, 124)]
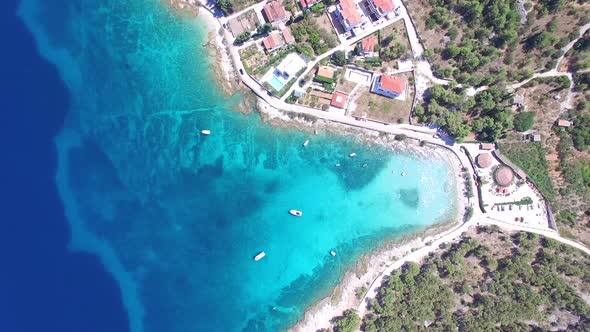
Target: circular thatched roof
[(503, 176), (484, 160)]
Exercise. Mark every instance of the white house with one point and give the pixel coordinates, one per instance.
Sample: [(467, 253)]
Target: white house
[(348, 15), (389, 86), (381, 8)]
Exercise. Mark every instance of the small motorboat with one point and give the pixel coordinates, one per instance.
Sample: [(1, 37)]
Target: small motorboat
[(338, 165), (403, 173), (333, 253), (205, 131), (315, 131), (296, 213), (352, 155), (305, 143), (259, 256)]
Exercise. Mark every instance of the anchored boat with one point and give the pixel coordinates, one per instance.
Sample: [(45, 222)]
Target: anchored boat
[(205, 131), (352, 155), (305, 143), (296, 213), (333, 253), (259, 256)]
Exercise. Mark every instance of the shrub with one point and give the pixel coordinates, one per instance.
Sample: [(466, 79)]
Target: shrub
[(348, 322), (524, 121)]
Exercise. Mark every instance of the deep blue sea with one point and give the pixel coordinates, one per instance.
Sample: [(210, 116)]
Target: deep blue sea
[(121, 216)]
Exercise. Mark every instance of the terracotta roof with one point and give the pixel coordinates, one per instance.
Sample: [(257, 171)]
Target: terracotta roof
[(325, 71), (287, 36), (384, 5), (308, 3), (274, 11), (393, 84), (338, 99), (349, 12), (484, 160), (503, 176), (563, 123), (368, 44), (272, 41)]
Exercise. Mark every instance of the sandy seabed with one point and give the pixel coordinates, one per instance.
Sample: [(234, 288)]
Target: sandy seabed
[(371, 268)]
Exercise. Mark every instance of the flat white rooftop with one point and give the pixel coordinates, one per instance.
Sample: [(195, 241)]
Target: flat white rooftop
[(358, 76)]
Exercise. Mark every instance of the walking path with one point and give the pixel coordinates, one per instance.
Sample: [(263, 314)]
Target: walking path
[(425, 134)]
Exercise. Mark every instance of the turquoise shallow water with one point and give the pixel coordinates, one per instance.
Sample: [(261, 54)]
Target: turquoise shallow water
[(177, 216)]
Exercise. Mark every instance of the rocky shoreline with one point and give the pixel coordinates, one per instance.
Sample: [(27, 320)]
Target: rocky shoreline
[(371, 266)]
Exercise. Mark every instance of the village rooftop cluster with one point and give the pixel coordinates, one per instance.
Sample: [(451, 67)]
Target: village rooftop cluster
[(279, 44)]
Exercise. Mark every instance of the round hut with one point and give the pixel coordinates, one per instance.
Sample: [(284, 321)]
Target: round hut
[(483, 160), (503, 176)]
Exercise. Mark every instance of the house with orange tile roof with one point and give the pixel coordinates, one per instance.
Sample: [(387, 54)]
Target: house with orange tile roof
[(368, 45), (274, 11), (325, 72), (381, 8), (287, 36), (348, 14), (339, 99), (389, 86), (273, 41), (308, 3), (564, 123)]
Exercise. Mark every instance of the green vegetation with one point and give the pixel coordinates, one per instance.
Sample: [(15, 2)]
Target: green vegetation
[(225, 6), (483, 36), (530, 156), (308, 31), (468, 214), (580, 131), (338, 58), (452, 109), (524, 201), (348, 322), (566, 217), (524, 121), (392, 52), (360, 292), (243, 37), (575, 171), (471, 287), (580, 53), (264, 28)]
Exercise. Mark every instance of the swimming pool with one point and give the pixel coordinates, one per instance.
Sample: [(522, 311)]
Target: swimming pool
[(275, 82)]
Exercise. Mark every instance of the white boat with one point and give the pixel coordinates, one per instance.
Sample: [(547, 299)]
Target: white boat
[(259, 256), (338, 165), (205, 131), (352, 155), (296, 213), (333, 253), (403, 173), (305, 143)]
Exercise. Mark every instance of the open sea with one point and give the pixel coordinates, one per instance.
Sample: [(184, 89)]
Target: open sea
[(121, 216)]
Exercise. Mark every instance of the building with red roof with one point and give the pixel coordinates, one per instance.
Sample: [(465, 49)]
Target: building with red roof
[(368, 45), (381, 8), (389, 86), (308, 3), (274, 11), (273, 41), (287, 36), (339, 99), (348, 14)]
